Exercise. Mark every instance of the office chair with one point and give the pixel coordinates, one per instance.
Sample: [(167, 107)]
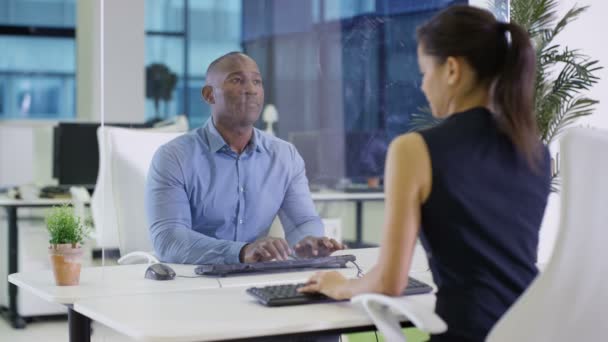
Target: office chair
[(118, 201), (569, 299), (382, 309)]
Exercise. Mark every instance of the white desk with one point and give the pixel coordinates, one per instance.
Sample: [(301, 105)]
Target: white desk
[(11, 206), (104, 282), (347, 196), (107, 294), (108, 281), (358, 198), (222, 314), (38, 202), (230, 313)]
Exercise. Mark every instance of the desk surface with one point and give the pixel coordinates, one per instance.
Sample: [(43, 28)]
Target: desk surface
[(316, 196), (346, 196), (6, 201), (193, 309), (129, 279), (217, 314), (108, 281)]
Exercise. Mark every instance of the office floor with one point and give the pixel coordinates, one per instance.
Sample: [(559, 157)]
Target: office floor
[(52, 331)]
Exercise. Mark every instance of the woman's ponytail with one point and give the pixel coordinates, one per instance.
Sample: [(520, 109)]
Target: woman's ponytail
[(513, 90)]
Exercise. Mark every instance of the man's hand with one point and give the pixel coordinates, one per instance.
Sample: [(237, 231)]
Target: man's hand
[(265, 249), (312, 246)]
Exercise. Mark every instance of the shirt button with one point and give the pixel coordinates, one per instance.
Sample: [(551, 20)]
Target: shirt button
[(241, 189), (240, 221)]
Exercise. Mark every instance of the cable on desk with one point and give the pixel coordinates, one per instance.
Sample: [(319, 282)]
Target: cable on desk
[(376, 334), (360, 272), (200, 276)]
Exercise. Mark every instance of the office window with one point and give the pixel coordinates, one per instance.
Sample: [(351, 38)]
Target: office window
[(213, 27), (344, 78), (37, 77), (1, 97), (37, 13), (342, 74)]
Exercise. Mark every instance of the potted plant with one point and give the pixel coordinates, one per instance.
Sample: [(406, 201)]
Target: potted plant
[(67, 233)]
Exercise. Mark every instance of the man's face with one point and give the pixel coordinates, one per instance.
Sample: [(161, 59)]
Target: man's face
[(238, 92)]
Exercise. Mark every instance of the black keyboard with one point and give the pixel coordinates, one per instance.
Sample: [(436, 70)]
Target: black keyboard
[(336, 261), (287, 294)]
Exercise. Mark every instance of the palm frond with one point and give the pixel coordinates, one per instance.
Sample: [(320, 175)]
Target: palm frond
[(571, 15), (567, 113), (500, 9), (423, 119), (534, 15), (576, 72)]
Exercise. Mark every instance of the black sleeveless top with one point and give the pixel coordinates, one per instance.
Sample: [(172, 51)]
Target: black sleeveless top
[(481, 221)]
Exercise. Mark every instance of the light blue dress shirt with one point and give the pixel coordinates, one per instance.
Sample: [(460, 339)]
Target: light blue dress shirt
[(204, 202)]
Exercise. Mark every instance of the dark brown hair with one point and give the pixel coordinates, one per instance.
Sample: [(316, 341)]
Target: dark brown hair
[(502, 56)]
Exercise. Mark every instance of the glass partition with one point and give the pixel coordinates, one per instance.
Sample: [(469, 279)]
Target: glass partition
[(341, 77)]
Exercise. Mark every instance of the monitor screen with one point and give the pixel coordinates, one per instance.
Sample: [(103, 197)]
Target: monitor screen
[(76, 153)]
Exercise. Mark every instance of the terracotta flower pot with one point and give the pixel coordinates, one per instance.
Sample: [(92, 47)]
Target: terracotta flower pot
[(66, 261)]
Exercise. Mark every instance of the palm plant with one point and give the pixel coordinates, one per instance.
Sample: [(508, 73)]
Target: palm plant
[(559, 100)]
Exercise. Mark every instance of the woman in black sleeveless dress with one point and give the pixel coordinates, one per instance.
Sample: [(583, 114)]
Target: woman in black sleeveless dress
[(475, 187)]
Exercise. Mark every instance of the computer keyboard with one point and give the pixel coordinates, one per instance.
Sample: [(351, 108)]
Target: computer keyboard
[(334, 261), (287, 294)]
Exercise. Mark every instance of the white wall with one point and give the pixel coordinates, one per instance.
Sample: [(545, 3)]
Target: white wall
[(586, 34), (583, 34), (123, 64)]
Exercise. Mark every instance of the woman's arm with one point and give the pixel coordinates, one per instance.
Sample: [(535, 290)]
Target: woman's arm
[(407, 185)]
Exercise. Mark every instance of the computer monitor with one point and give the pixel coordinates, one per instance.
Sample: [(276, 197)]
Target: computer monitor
[(76, 153)]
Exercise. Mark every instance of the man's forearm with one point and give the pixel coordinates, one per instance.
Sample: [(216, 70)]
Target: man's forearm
[(313, 227), (183, 246)]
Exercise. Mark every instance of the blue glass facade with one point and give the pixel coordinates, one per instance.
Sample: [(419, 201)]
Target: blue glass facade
[(342, 72), (37, 77)]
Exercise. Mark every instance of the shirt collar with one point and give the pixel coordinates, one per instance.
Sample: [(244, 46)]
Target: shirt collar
[(217, 142)]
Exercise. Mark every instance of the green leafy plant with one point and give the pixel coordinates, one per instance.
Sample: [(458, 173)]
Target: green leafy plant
[(64, 227), (559, 100)]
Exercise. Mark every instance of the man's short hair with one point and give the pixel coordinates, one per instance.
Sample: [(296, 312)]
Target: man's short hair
[(218, 60)]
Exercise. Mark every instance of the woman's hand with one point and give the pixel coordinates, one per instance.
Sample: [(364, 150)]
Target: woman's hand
[(331, 284)]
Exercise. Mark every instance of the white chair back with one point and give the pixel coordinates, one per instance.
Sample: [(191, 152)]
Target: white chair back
[(568, 301), (118, 201)]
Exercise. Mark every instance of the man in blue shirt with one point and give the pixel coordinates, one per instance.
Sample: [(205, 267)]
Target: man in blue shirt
[(212, 194)]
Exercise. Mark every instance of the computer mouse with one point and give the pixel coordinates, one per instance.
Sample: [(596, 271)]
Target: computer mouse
[(160, 272)]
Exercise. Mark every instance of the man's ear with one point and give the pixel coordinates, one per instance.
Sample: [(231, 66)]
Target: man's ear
[(453, 70), (207, 93)]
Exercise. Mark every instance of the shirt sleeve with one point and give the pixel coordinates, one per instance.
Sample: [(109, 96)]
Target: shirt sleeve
[(169, 218), (298, 214)]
